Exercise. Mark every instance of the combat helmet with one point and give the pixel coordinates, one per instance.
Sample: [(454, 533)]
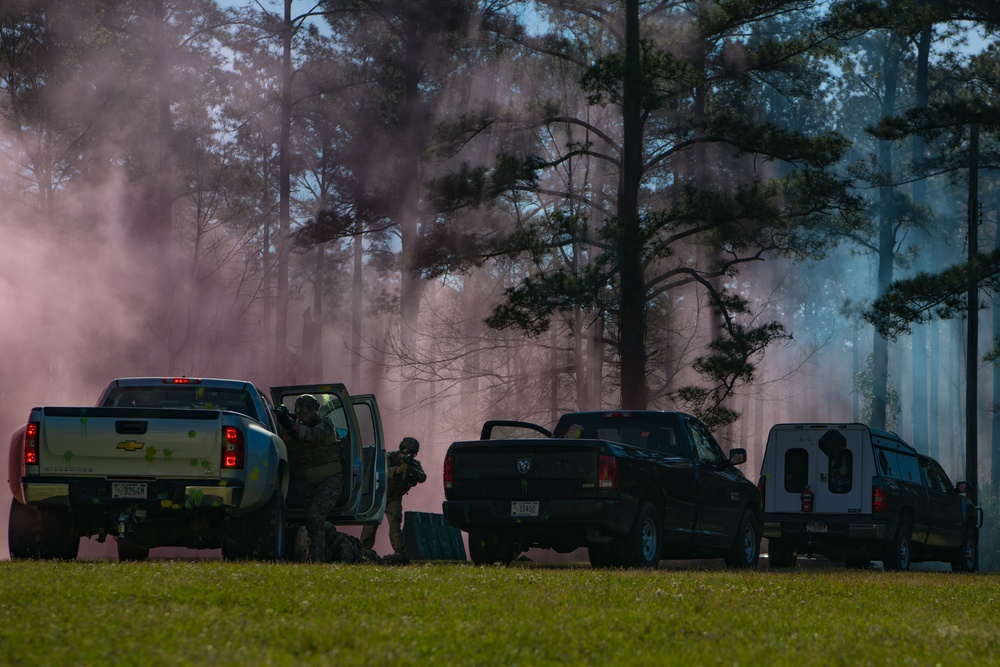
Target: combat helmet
[(308, 400), (409, 445)]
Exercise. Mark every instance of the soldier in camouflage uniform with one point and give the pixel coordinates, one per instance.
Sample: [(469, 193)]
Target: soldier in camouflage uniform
[(344, 548), (405, 472), (314, 460)]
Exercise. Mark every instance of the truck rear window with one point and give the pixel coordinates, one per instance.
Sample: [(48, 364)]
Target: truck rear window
[(184, 397), (840, 471), (796, 469)]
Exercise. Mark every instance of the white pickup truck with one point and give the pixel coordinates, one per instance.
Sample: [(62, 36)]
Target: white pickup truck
[(181, 462)]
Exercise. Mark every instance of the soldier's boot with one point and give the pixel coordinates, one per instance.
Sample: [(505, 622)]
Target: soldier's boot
[(301, 548)]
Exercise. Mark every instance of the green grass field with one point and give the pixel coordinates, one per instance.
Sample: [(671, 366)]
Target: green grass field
[(217, 613)]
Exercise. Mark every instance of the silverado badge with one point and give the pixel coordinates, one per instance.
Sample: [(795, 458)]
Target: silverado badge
[(523, 465), (130, 445)]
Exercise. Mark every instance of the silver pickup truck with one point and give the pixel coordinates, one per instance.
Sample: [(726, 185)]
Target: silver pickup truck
[(181, 462)]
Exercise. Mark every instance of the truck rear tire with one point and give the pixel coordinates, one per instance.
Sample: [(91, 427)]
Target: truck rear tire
[(745, 552), (44, 533), (601, 556), (780, 554), (641, 547), (490, 547), (897, 552), (130, 551), (966, 558)]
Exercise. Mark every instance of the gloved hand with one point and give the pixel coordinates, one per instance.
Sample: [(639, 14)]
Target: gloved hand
[(284, 419)]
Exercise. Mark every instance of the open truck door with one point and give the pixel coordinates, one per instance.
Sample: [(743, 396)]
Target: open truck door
[(359, 428)]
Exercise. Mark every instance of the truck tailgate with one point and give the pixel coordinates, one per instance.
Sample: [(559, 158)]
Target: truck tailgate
[(111, 441), (536, 469)]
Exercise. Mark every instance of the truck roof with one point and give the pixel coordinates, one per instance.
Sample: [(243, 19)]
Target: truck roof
[(886, 437), (152, 380)]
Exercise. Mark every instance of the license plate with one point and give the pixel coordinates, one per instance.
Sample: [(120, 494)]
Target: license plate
[(128, 490), (815, 527), (524, 508)]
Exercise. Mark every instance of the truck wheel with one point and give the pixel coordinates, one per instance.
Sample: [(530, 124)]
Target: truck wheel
[(780, 554), (266, 529), (897, 552), (34, 532), (130, 551), (966, 558), (488, 547), (641, 547), (601, 555), (745, 552)]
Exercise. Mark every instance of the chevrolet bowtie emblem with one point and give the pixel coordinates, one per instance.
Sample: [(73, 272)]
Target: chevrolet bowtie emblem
[(130, 445)]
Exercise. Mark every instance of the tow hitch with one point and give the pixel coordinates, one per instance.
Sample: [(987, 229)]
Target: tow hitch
[(128, 518)]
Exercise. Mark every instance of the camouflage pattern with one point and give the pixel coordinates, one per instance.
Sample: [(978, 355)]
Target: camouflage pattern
[(344, 548), (315, 445), (403, 476)]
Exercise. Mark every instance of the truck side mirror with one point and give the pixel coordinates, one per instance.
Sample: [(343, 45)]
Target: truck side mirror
[(963, 487), (738, 456)]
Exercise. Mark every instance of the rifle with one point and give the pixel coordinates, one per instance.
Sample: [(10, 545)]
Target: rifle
[(413, 473), (285, 418)]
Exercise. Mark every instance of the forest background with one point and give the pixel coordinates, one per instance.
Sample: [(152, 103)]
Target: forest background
[(510, 209)]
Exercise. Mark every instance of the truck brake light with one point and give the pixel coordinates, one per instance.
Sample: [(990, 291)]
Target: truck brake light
[(880, 501), (233, 448), (762, 487), (31, 444), (607, 472), (181, 380), (449, 471)]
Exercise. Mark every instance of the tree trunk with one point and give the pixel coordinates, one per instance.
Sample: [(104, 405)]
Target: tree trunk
[(972, 333), (632, 307), (357, 309), (284, 203), (919, 411), (887, 217)]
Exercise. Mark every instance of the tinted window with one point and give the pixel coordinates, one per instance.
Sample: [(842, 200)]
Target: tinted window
[(705, 447), (330, 406), (840, 471), (187, 396), (908, 469), (943, 477), (934, 477), (888, 465), (366, 423), (628, 429), (796, 470)]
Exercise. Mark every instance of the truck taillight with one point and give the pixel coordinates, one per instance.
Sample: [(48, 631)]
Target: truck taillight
[(449, 471), (233, 448), (762, 487), (607, 472), (31, 444), (880, 501)]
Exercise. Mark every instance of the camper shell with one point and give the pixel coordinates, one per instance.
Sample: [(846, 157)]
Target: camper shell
[(857, 494)]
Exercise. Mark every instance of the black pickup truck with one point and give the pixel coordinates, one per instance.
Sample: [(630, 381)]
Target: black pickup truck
[(634, 487)]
